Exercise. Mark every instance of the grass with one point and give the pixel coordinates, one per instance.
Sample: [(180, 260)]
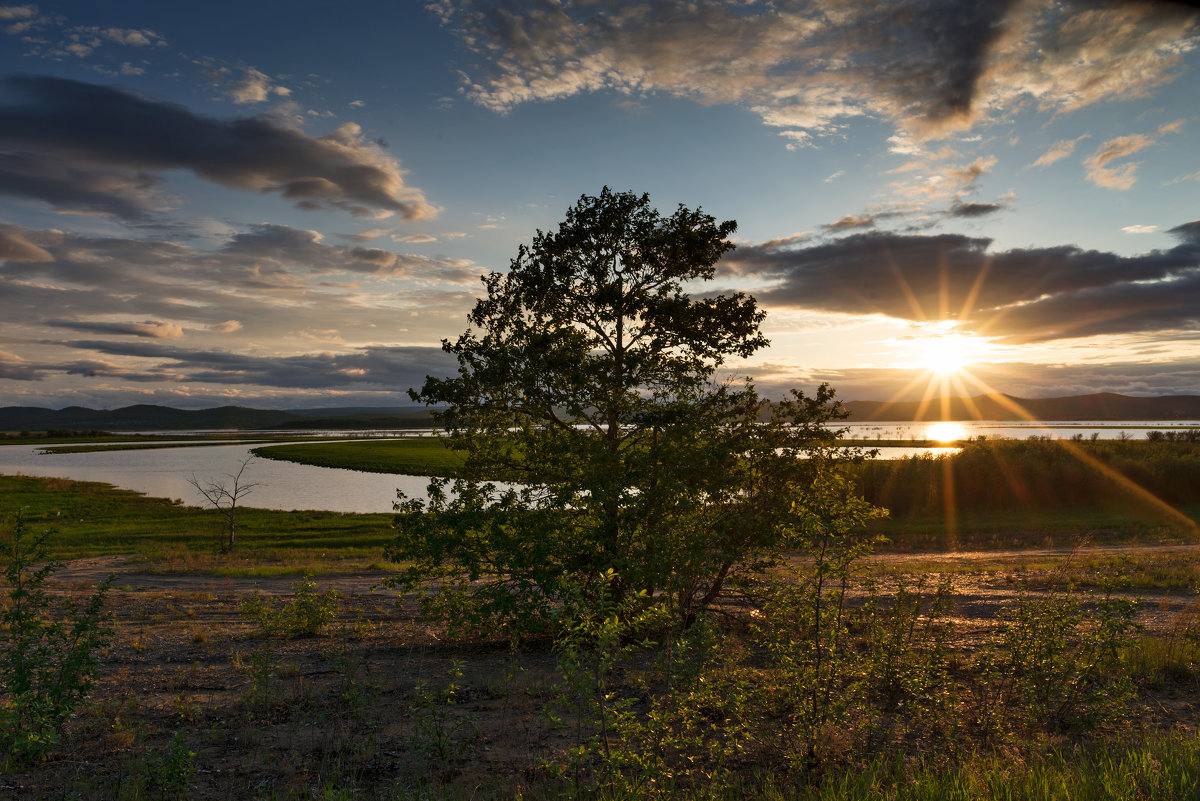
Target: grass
[(416, 456), (1165, 766), (94, 519), (985, 475), (993, 529)]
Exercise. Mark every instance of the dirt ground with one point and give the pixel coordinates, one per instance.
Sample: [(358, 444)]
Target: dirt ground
[(381, 702)]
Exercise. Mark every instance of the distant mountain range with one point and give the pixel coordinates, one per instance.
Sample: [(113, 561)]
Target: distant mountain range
[(164, 418), (1101, 406)]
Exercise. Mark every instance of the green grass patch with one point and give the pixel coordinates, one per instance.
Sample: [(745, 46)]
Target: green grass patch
[(94, 519), (414, 456)]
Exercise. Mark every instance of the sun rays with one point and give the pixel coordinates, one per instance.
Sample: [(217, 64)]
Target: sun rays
[(943, 351)]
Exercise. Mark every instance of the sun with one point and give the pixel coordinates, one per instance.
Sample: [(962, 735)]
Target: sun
[(946, 353)]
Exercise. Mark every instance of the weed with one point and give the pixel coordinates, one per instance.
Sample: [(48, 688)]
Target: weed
[(263, 690), (161, 775), (440, 731)]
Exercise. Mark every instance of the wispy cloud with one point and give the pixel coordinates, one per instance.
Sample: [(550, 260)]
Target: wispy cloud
[(805, 66), (1058, 151), (1124, 176)]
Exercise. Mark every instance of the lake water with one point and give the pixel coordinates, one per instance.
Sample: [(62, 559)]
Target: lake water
[(164, 472)]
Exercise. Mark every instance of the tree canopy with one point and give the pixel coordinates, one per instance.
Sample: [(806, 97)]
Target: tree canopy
[(587, 380)]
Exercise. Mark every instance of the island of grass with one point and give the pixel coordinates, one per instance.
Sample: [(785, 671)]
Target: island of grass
[(414, 456)]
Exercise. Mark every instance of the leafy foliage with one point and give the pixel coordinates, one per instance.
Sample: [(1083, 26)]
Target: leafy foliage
[(588, 377), (48, 657), (305, 615)]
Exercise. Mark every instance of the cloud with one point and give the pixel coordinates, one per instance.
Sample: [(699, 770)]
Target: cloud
[(416, 238), (959, 209), (1123, 177), (851, 221), (99, 133), (267, 278), (14, 368), (130, 37), (1021, 295), (1058, 151), (374, 366), (152, 329), (279, 249), (1195, 176), (1140, 229), (932, 67), (1023, 379), (254, 87), (18, 12), (130, 195), (14, 247)]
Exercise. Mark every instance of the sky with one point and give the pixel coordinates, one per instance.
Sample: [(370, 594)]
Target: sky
[(290, 205)]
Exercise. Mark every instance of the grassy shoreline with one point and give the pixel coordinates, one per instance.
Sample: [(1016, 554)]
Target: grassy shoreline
[(97, 519)]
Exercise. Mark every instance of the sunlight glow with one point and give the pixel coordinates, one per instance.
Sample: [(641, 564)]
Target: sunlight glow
[(945, 432)]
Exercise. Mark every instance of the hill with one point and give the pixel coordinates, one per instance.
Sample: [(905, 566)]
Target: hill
[(145, 417), (1098, 406)]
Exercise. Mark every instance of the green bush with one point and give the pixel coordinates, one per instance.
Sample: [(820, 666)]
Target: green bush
[(49, 654), (305, 615), (1058, 664)]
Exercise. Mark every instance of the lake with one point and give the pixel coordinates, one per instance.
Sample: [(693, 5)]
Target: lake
[(164, 472)]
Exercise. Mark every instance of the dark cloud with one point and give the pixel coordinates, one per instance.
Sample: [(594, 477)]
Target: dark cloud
[(152, 329), (1023, 379), (125, 194), (929, 55), (56, 132), (1022, 294), (384, 367), (974, 209)]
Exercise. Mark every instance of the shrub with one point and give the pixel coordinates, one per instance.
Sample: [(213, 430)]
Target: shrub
[(305, 615), (49, 656)]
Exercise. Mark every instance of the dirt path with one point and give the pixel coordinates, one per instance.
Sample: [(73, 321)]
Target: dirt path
[(130, 575), (978, 597)]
